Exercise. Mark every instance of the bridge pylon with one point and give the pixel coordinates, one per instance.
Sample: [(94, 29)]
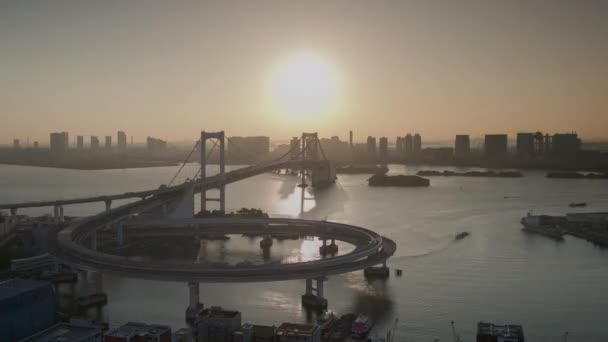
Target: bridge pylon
[(219, 136)]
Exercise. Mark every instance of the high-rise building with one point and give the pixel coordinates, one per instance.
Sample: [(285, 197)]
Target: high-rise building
[(408, 144), (495, 145), (80, 142), (35, 144), (417, 143), (155, 145), (59, 142), (525, 145), (462, 146), (94, 142), (121, 141), (399, 145), (371, 147), (350, 139), (564, 144), (383, 148), (16, 144), (108, 144), (295, 148)]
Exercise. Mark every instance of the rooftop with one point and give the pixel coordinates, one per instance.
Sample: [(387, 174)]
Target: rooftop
[(139, 329), (217, 312), (506, 330), (295, 329), (13, 287), (64, 332)]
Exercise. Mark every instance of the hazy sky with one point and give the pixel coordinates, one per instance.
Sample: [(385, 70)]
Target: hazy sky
[(172, 68)]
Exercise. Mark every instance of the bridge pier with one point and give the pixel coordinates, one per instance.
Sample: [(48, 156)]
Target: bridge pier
[(13, 215), (194, 305), (108, 205), (377, 272), (312, 300), (203, 161), (266, 242), (87, 296), (326, 249)]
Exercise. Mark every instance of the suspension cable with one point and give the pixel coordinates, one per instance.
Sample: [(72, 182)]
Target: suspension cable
[(208, 155), (184, 163)]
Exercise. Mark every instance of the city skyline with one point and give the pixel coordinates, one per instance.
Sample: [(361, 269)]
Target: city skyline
[(171, 70)]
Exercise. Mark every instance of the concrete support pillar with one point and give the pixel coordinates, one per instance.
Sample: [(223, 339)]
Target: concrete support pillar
[(83, 283), (56, 214), (97, 281), (320, 294), (108, 205), (13, 215), (120, 234), (194, 305), (61, 217), (309, 286)]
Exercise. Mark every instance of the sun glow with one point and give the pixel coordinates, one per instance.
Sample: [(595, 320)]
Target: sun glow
[(304, 86)]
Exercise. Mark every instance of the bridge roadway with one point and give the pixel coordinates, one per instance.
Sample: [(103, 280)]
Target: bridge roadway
[(371, 249), (210, 182)]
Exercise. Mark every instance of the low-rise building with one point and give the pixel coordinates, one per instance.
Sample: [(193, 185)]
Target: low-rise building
[(135, 332), (217, 325), (490, 332), (298, 332), (75, 331)]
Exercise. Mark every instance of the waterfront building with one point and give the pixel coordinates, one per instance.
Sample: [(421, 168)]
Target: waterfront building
[(417, 145), (490, 332), (300, 332), (26, 307), (35, 144), (121, 141), (335, 149), (155, 145), (526, 145), (462, 146), (495, 145), (80, 142), (371, 148), (133, 332), (59, 142), (400, 145), (217, 325), (75, 331), (565, 144), (16, 144), (94, 142), (253, 148), (383, 150), (108, 144), (408, 144)]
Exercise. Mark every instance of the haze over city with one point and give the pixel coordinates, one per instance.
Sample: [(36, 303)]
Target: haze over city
[(278, 68)]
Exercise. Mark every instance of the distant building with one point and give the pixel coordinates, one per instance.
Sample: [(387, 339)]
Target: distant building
[(132, 332), (249, 148), (437, 154), (400, 145), (94, 143), (121, 141), (335, 149), (495, 145), (417, 147), (26, 307), (408, 144), (35, 144), (155, 145), (108, 144), (80, 142), (462, 146), (371, 147), (383, 150), (350, 138), (59, 142), (16, 144), (298, 332), (489, 332), (565, 144), (217, 325), (526, 143), (75, 331)]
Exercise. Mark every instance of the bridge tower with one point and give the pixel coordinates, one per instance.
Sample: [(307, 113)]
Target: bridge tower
[(219, 136)]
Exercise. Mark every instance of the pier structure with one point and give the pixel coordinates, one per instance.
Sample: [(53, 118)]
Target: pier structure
[(314, 297)]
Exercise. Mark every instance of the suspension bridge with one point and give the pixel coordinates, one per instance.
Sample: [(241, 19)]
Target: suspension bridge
[(169, 210)]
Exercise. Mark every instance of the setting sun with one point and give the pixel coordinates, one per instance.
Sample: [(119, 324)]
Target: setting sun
[(304, 86)]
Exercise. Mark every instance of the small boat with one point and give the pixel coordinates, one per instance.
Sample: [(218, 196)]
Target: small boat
[(577, 204), (361, 326), (461, 235)]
